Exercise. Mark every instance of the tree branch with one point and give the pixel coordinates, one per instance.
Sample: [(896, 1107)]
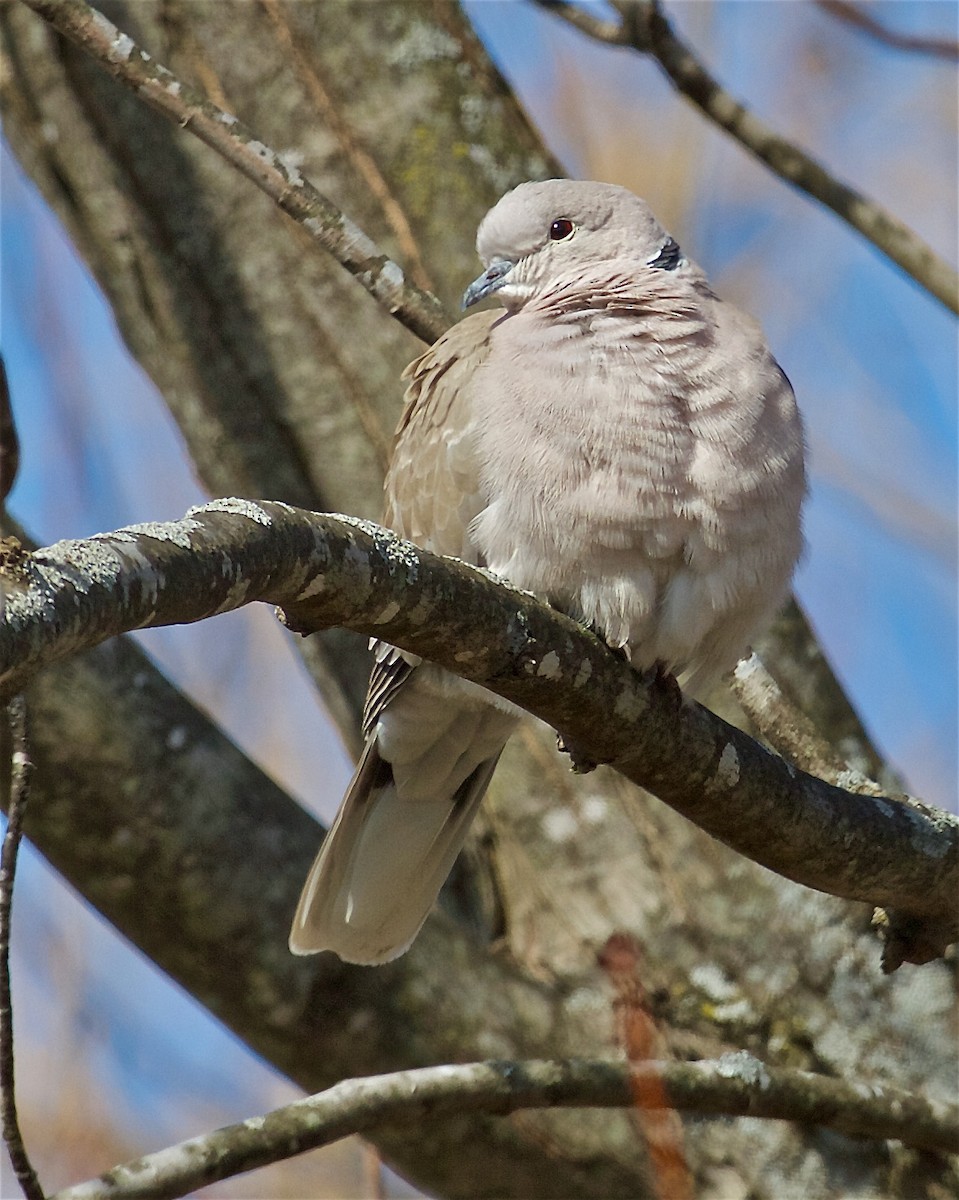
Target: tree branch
[(734, 1085), (645, 28), (327, 570), (419, 311), (789, 730), (858, 17), (19, 794)]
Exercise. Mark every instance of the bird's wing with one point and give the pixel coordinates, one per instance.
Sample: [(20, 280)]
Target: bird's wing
[(432, 487)]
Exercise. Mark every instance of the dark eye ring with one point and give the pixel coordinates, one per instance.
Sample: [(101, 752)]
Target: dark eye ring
[(560, 230)]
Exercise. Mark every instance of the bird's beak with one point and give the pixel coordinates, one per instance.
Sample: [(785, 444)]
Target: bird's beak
[(489, 282)]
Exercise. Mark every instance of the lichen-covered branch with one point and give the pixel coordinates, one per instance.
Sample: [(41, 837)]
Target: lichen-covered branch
[(324, 570), (419, 311), (789, 730), (734, 1085), (644, 27)]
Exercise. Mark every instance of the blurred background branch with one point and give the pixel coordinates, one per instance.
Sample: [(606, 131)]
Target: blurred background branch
[(859, 17), (644, 27)]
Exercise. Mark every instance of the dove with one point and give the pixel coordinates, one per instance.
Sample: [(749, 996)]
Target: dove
[(613, 438)]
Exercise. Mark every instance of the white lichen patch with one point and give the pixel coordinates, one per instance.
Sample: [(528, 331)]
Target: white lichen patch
[(473, 112), (233, 504), (584, 674), (102, 26), (740, 1012), (560, 826), (855, 781), (262, 151), (585, 1000), (745, 1066), (227, 119), (291, 161), (93, 564), (391, 275), (174, 533), (713, 982), (593, 810), (549, 668), (121, 48), (368, 527), (727, 771), (423, 44)]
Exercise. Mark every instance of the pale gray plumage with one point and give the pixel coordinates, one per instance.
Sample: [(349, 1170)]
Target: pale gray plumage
[(619, 441)]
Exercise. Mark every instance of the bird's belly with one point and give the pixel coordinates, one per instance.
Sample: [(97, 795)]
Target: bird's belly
[(651, 572)]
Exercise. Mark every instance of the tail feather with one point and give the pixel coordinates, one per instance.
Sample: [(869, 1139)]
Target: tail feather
[(382, 864)]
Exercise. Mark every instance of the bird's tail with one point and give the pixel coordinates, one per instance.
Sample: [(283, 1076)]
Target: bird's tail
[(382, 864)]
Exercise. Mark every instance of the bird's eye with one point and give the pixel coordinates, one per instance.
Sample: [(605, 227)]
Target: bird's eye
[(560, 230)]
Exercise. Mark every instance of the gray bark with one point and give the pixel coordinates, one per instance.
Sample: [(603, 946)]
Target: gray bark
[(284, 377)]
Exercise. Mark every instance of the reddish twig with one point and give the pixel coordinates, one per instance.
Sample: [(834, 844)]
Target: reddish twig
[(657, 1121)]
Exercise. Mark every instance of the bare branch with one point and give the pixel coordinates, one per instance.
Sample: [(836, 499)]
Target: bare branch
[(793, 735), (789, 730), (325, 570), (19, 794), (645, 28), (419, 311), (857, 16), (734, 1085)]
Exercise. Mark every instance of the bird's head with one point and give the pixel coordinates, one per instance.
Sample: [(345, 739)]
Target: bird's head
[(542, 234)]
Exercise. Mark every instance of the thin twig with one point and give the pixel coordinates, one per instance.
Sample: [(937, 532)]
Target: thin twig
[(860, 18), (645, 28), (734, 1085), (419, 311), (789, 730), (21, 768)]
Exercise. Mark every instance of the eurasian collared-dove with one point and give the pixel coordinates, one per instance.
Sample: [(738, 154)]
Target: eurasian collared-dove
[(619, 441)]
